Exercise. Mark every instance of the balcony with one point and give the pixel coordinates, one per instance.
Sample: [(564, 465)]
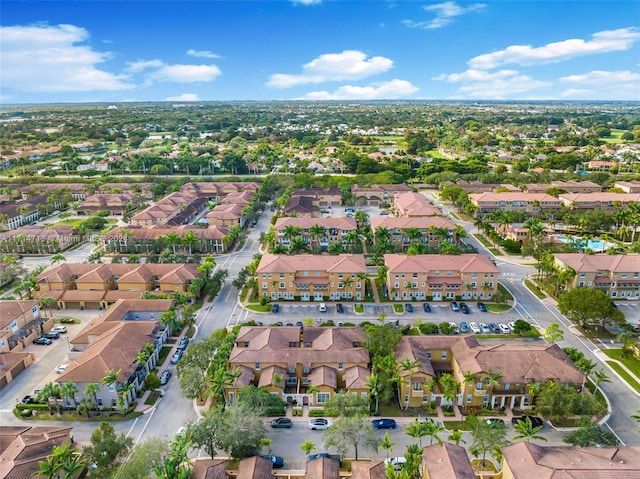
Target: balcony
[(479, 392)]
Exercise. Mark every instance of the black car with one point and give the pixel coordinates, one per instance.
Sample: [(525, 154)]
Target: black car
[(494, 421), (277, 461), (339, 308), (275, 308), (282, 422), (482, 307), (51, 335), (454, 306), (28, 400), (409, 308), (426, 307), (535, 420), (165, 376), (42, 340), (464, 308)]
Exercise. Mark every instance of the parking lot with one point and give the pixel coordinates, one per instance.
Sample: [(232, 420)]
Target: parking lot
[(341, 211)]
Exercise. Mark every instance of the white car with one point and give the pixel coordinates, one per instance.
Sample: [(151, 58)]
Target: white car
[(504, 329), (454, 328), (322, 308), (60, 368), (475, 328), (319, 424), (59, 329), (512, 325), (396, 462), (485, 328)]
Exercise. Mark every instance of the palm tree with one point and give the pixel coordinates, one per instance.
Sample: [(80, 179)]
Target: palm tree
[(413, 234), (173, 240), (57, 258), (111, 377), (307, 446), (84, 405), (417, 429), (374, 386), (291, 231), (387, 444), (48, 303), (601, 377), (526, 430), (456, 437), (297, 245), (491, 378), (432, 429), (49, 468), (408, 365), (92, 391), (316, 232), (69, 391), (351, 238), (221, 379), (73, 464), (190, 239)]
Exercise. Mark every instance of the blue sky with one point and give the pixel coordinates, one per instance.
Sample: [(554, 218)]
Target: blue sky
[(112, 51)]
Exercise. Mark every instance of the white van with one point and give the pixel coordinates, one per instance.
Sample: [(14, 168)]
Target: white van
[(322, 308)]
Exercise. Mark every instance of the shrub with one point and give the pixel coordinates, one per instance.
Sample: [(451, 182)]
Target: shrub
[(429, 328)]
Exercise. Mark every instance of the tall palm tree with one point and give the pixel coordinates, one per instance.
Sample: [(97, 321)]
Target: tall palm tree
[(56, 258), (409, 366), (374, 386), (417, 429), (173, 240), (48, 303), (190, 239), (413, 234), (527, 431), (307, 447), (291, 231), (601, 377), (111, 377), (432, 429), (316, 232), (69, 391), (297, 245), (456, 437), (49, 468), (387, 444)]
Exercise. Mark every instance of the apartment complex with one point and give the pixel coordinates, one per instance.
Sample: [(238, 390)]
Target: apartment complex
[(617, 275), (429, 230), (601, 201), (440, 277), (316, 232), (411, 205), (320, 197), (38, 239), (216, 191), (309, 277), (173, 210), (116, 203), (530, 203), (288, 360), (96, 286), (375, 195), (20, 324), (569, 186), (523, 366)]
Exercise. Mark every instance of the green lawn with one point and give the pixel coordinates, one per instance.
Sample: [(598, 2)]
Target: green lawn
[(534, 289), (398, 308), (358, 308), (483, 240), (497, 308), (258, 308), (632, 364), (614, 138), (505, 292), (625, 375)]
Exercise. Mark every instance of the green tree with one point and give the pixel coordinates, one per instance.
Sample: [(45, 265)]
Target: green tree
[(241, 431), (107, 450), (177, 464), (589, 307), (346, 404), (387, 444), (590, 434), (486, 436), (456, 437), (56, 258), (527, 431), (553, 333), (307, 446), (144, 457), (351, 431)]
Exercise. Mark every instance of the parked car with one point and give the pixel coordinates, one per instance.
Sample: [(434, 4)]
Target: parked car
[(300, 324), (339, 308), (485, 328), (396, 462), (494, 420), (535, 420), (282, 423), (464, 327), (59, 329), (384, 423), (311, 457), (454, 306), (27, 400), (165, 376), (429, 419), (482, 307), (51, 335), (275, 308), (504, 329), (319, 424), (60, 368), (277, 461), (494, 328), (475, 328), (454, 328), (512, 325), (409, 308), (464, 308), (426, 307), (43, 341), (322, 308), (184, 341), (177, 356)]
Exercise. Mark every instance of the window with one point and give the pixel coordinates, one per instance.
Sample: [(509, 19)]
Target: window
[(479, 386), (468, 398), (322, 398), (305, 370), (292, 370), (264, 285), (425, 399), (281, 285), (444, 355), (340, 366), (417, 386), (257, 366)]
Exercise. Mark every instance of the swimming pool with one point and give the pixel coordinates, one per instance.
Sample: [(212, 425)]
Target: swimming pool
[(596, 245)]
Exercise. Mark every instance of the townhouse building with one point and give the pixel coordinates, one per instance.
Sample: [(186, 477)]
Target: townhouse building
[(20, 324), (316, 232), (375, 195), (96, 286), (143, 190), (216, 191), (602, 201), (113, 341), (153, 240), (433, 230), (617, 275), (409, 205), (38, 239), (632, 186), (320, 197), (228, 215), (308, 277), (78, 191), (530, 203), (174, 209), (440, 277), (19, 213), (116, 203), (289, 360), (569, 186), (301, 207), (523, 366)]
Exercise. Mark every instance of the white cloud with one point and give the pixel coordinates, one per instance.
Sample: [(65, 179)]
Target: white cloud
[(306, 2), (383, 91), (142, 65), (348, 65), (445, 13), (50, 58), (202, 53), (602, 78), (497, 85), (161, 71), (602, 42), (184, 97)]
